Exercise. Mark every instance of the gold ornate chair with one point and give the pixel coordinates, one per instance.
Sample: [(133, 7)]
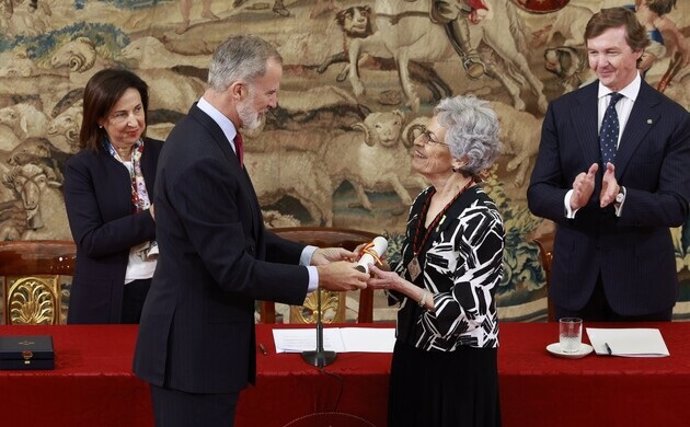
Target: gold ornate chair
[(545, 243), (32, 274), (333, 308)]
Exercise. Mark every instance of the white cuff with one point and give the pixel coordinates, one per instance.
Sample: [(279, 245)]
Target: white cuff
[(569, 213), (305, 259), (618, 207), (313, 278)]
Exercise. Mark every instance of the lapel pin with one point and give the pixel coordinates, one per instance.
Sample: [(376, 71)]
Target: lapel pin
[(649, 121)]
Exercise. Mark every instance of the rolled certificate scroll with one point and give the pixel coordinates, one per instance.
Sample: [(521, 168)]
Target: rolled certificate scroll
[(371, 254)]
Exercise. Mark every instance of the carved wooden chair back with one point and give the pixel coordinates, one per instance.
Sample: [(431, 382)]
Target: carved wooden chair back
[(34, 275)]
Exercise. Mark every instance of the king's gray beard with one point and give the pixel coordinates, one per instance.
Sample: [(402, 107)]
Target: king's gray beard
[(250, 118)]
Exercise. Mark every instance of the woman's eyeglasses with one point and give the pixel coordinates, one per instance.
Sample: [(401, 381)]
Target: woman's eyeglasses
[(425, 136)]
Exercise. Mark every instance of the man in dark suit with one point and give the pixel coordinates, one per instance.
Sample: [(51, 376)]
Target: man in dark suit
[(196, 338), (613, 193)]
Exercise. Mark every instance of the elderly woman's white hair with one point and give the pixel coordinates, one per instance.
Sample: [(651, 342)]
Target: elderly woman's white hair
[(472, 131)]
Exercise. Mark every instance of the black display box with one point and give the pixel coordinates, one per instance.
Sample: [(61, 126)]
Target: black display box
[(27, 352)]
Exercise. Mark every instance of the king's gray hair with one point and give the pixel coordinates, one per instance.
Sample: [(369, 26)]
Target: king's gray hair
[(472, 131), (240, 57)]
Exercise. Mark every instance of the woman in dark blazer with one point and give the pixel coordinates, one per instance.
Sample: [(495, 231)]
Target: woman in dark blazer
[(108, 194)]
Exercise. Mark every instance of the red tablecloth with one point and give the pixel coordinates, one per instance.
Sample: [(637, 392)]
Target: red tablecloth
[(353, 389), (93, 385), (538, 389)]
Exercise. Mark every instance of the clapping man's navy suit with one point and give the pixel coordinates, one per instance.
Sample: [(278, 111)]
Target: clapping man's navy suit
[(613, 254)]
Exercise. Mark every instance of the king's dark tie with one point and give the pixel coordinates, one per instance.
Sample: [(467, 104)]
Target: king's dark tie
[(610, 128), (239, 148)]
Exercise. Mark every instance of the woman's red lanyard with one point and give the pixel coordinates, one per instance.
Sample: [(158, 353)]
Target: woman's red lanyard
[(414, 267)]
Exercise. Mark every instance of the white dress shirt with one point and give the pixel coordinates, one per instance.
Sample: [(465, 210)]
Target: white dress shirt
[(623, 108)]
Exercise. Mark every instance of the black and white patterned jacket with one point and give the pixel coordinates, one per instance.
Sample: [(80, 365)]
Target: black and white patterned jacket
[(462, 267)]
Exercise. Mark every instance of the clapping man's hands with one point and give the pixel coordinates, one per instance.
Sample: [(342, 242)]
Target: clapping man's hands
[(609, 186), (583, 187)]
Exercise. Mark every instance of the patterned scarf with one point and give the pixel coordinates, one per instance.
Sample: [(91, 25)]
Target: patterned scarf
[(140, 196)]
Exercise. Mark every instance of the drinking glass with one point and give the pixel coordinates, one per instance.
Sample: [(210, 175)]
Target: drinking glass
[(570, 334)]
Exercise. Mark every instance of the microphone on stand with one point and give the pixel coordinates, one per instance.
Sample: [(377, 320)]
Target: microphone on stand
[(319, 357), (372, 253)]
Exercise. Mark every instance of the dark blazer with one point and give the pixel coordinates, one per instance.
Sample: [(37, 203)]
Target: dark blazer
[(98, 198), (633, 253), (197, 328)]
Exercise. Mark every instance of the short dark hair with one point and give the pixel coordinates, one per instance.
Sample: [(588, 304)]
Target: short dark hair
[(615, 17), (101, 93)]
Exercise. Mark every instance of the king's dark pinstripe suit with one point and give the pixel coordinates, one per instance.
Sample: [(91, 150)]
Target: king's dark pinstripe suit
[(197, 328)]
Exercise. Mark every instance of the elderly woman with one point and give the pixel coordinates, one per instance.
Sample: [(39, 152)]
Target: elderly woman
[(444, 371), (108, 193)]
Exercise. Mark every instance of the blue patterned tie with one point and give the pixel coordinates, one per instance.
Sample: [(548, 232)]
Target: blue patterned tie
[(610, 128)]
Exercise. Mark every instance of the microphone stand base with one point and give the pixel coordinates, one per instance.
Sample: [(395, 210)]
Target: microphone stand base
[(319, 358)]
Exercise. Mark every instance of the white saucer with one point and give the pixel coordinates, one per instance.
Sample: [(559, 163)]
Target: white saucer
[(555, 349)]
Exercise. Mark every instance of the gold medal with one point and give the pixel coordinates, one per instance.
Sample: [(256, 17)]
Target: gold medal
[(414, 268)]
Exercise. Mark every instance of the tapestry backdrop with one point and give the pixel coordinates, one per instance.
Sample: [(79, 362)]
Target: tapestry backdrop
[(359, 78)]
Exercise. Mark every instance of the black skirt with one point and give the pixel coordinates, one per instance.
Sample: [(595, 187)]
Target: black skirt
[(437, 389)]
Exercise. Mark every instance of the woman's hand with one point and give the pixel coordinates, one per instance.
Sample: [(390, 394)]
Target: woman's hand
[(151, 211), (391, 281), (382, 279)]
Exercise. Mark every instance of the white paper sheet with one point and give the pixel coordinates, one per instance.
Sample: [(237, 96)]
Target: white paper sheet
[(628, 342), (340, 340), (368, 340)]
